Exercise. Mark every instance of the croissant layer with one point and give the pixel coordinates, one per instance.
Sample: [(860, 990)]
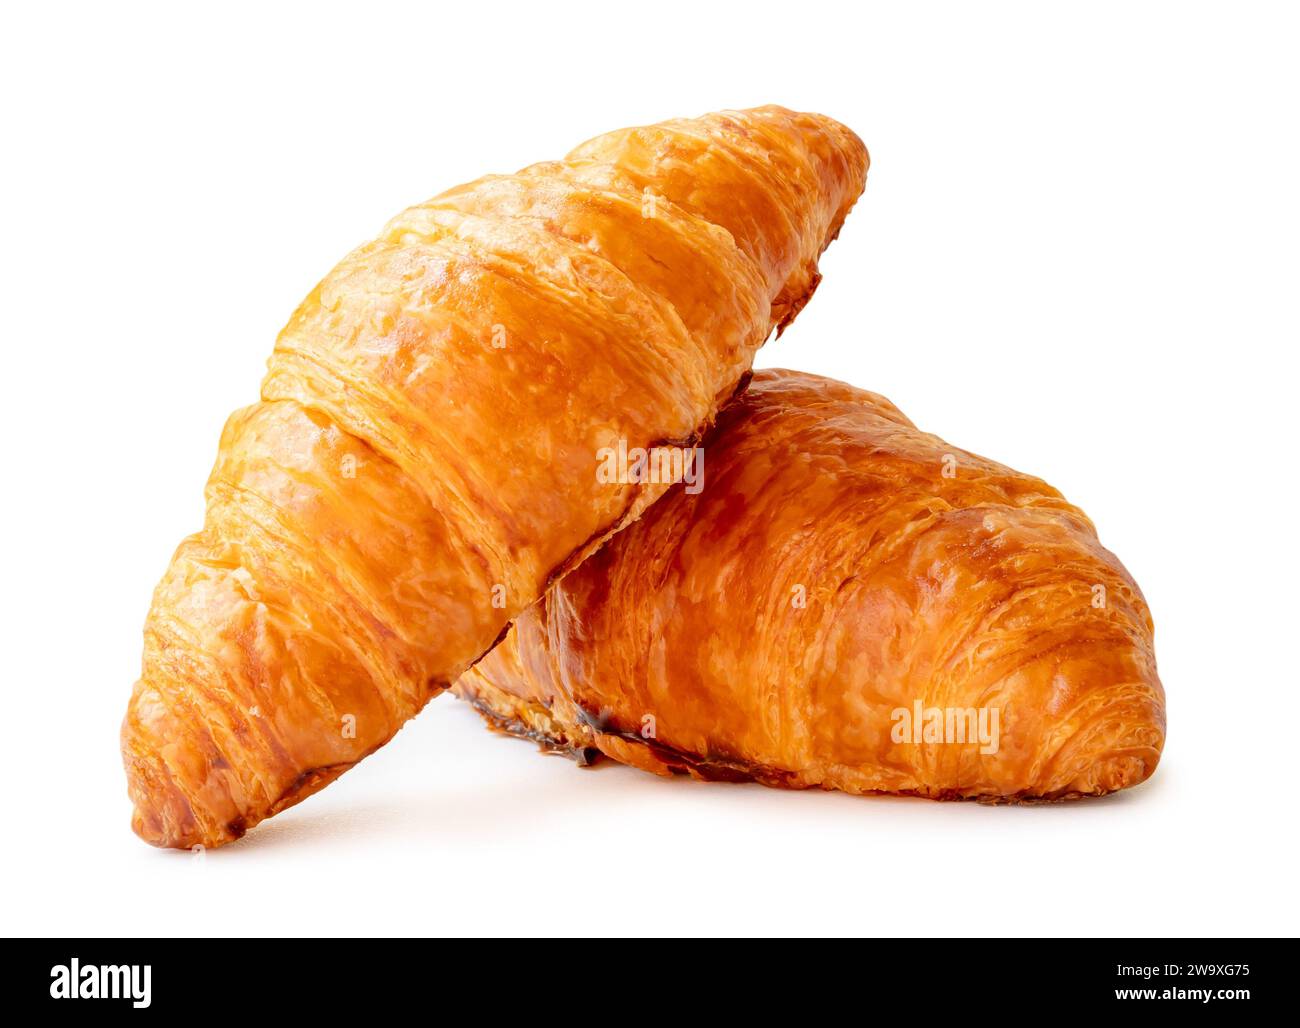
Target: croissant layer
[(422, 462), (848, 603)]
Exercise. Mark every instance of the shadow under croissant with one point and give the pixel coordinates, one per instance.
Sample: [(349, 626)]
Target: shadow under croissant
[(501, 814), (506, 812)]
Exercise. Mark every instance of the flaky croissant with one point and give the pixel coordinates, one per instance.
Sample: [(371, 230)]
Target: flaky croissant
[(421, 465), (847, 603)]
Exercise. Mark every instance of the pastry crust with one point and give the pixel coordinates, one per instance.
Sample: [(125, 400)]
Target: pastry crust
[(420, 466), (840, 566)]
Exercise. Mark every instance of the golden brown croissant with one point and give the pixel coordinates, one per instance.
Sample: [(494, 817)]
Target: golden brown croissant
[(421, 465), (847, 603)]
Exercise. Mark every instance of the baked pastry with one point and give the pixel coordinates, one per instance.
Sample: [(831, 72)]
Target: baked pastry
[(847, 603), (421, 464)]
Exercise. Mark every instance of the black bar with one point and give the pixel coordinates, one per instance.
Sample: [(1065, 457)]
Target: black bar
[(205, 978)]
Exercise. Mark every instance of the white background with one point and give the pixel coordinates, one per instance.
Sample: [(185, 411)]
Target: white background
[(1077, 254)]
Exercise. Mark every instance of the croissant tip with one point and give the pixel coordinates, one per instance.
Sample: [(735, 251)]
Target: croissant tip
[(162, 815), (148, 828), (1125, 772), (153, 827), (160, 824), (1109, 775)]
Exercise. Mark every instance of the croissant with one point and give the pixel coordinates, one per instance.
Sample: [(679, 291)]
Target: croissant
[(421, 465), (847, 603)]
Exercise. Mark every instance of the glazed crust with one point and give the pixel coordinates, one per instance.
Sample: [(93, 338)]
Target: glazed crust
[(839, 566), (420, 466)]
